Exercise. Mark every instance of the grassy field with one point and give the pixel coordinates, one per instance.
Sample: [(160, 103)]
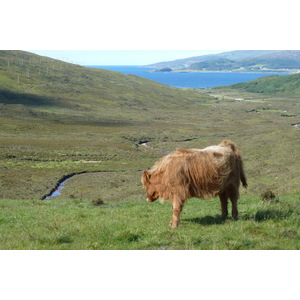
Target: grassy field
[(68, 119), (78, 224), (36, 153)]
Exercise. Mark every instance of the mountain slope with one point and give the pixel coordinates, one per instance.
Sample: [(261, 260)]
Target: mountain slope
[(35, 81)]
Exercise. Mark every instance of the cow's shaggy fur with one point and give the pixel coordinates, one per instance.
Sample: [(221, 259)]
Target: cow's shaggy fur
[(202, 173)]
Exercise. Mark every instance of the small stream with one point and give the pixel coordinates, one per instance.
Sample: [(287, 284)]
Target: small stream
[(56, 191), (59, 186)]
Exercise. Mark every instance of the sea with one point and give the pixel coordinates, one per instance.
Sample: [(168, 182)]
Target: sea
[(199, 80)]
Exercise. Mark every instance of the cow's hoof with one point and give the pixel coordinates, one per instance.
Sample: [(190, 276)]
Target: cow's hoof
[(173, 225), (224, 217)]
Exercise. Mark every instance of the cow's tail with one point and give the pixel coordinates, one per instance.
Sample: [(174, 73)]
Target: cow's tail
[(232, 145), (242, 173)]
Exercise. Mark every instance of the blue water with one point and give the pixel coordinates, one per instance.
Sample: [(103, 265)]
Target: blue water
[(58, 190), (188, 80)]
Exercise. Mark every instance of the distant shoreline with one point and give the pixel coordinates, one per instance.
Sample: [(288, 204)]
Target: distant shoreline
[(227, 71), (156, 70)]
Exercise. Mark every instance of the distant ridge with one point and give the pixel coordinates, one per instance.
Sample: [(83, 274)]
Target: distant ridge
[(239, 61), (231, 55)]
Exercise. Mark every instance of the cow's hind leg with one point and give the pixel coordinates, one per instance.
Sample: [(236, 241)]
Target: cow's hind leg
[(224, 204), (177, 209), (234, 196)]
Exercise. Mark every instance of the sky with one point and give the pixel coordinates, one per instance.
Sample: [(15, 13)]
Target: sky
[(121, 57)]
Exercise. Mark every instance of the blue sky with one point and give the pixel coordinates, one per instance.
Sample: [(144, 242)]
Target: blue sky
[(121, 57)]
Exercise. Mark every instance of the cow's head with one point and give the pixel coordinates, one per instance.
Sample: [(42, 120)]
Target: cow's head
[(152, 193)]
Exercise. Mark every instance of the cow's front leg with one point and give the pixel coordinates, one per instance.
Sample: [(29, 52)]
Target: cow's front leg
[(177, 208)]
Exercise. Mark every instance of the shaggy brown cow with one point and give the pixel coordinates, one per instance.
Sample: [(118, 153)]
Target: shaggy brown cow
[(202, 173)]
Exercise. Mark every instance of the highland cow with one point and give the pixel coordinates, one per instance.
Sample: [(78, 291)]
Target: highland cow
[(200, 173)]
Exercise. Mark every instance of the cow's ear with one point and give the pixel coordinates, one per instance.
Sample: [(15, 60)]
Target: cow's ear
[(146, 175)]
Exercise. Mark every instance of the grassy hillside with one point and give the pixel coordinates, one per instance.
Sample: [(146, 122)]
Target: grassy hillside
[(272, 85), (58, 84)]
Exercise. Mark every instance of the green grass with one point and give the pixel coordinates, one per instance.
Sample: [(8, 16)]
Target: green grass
[(77, 224)]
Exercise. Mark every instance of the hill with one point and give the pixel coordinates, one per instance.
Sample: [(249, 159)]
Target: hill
[(231, 55), (36, 81), (276, 84)]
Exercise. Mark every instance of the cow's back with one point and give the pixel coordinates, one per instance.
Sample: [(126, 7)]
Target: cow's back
[(208, 170)]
